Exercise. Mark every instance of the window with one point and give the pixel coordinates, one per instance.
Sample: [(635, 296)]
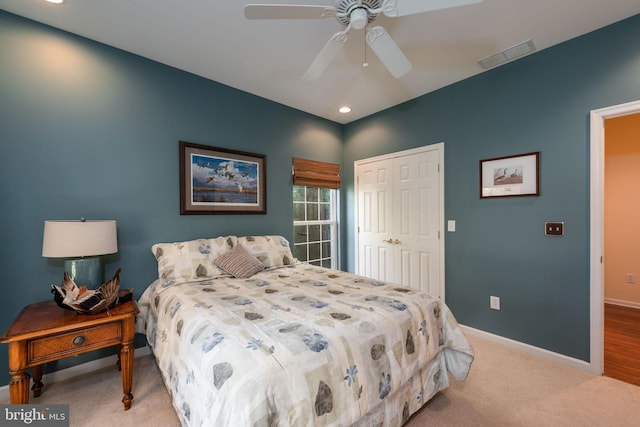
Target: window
[(315, 225), (315, 212)]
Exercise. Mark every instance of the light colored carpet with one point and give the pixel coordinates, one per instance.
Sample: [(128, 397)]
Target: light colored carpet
[(506, 387)]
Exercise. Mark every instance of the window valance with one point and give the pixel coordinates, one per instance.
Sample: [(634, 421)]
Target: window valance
[(315, 174)]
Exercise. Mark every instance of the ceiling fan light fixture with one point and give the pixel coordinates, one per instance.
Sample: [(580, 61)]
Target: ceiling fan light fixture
[(359, 18)]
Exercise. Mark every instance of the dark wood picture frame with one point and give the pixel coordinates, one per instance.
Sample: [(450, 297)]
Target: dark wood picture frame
[(510, 176), (221, 181)]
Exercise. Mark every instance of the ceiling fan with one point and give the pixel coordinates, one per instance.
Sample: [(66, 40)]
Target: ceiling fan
[(355, 14)]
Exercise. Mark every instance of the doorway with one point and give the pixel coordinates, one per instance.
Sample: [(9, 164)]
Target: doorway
[(622, 252), (596, 257)]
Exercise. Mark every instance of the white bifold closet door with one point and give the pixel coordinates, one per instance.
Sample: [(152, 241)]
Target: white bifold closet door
[(399, 218)]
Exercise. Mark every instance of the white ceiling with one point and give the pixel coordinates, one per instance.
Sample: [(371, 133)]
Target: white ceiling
[(211, 38)]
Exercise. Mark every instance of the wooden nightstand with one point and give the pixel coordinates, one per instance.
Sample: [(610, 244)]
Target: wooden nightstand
[(44, 332)]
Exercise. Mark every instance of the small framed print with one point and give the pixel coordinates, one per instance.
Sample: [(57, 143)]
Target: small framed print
[(510, 176), (221, 181)]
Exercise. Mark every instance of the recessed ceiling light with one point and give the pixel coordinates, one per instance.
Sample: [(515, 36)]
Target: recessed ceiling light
[(344, 110), (55, 1)]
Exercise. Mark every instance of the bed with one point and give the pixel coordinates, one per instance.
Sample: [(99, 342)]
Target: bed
[(245, 335)]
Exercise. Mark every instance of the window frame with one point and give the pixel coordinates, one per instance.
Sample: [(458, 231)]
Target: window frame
[(332, 223)]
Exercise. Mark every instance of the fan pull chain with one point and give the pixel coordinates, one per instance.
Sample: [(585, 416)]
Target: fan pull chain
[(365, 64)]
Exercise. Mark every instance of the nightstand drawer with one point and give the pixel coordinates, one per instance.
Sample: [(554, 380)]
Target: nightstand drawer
[(67, 344)]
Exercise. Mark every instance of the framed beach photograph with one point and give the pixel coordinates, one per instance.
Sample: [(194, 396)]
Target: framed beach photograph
[(510, 176), (221, 181)]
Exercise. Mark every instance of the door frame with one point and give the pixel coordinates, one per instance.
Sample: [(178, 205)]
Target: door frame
[(439, 147), (596, 260)]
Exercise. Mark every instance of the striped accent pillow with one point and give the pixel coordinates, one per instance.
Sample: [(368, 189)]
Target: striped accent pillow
[(239, 263)]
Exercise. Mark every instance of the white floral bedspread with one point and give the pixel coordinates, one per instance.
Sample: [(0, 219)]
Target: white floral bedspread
[(300, 346)]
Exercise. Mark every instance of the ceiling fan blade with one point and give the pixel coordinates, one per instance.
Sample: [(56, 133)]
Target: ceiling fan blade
[(411, 7), (326, 55), (287, 11), (388, 51)]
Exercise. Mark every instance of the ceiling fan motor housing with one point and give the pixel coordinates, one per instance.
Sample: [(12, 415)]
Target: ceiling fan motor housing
[(345, 7)]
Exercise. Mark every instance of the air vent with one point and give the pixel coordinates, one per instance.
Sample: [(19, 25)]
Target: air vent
[(507, 55)]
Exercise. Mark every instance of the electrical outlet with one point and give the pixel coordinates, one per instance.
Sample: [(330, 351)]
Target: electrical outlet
[(554, 228), (494, 303), (631, 278)]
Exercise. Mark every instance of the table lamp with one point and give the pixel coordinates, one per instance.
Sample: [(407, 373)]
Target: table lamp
[(82, 242)]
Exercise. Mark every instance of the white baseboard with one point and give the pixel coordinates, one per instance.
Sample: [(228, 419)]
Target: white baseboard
[(622, 303), (530, 349), (77, 370)]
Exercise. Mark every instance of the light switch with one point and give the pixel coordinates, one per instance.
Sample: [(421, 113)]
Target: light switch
[(451, 225)]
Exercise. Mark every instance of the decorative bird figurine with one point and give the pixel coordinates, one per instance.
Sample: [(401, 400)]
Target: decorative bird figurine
[(83, 300)]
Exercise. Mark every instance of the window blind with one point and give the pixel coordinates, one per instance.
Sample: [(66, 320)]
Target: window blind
[(315, 174)]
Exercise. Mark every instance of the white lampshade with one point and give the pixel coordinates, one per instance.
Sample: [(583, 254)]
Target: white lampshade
[(66, 239)]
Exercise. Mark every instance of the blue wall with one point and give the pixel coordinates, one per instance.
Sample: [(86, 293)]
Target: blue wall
[(539, 103), (90, 131)]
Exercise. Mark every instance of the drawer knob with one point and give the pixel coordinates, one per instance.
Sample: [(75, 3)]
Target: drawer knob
[(79, 340)]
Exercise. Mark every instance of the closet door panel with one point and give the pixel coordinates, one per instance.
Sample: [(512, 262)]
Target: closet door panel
[(399, 219), (375, 224)]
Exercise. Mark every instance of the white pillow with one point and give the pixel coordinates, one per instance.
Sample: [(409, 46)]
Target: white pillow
[(191, 260), (272, 251)]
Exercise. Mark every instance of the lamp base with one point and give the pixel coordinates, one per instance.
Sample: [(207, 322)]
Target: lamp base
[(85, 271)]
